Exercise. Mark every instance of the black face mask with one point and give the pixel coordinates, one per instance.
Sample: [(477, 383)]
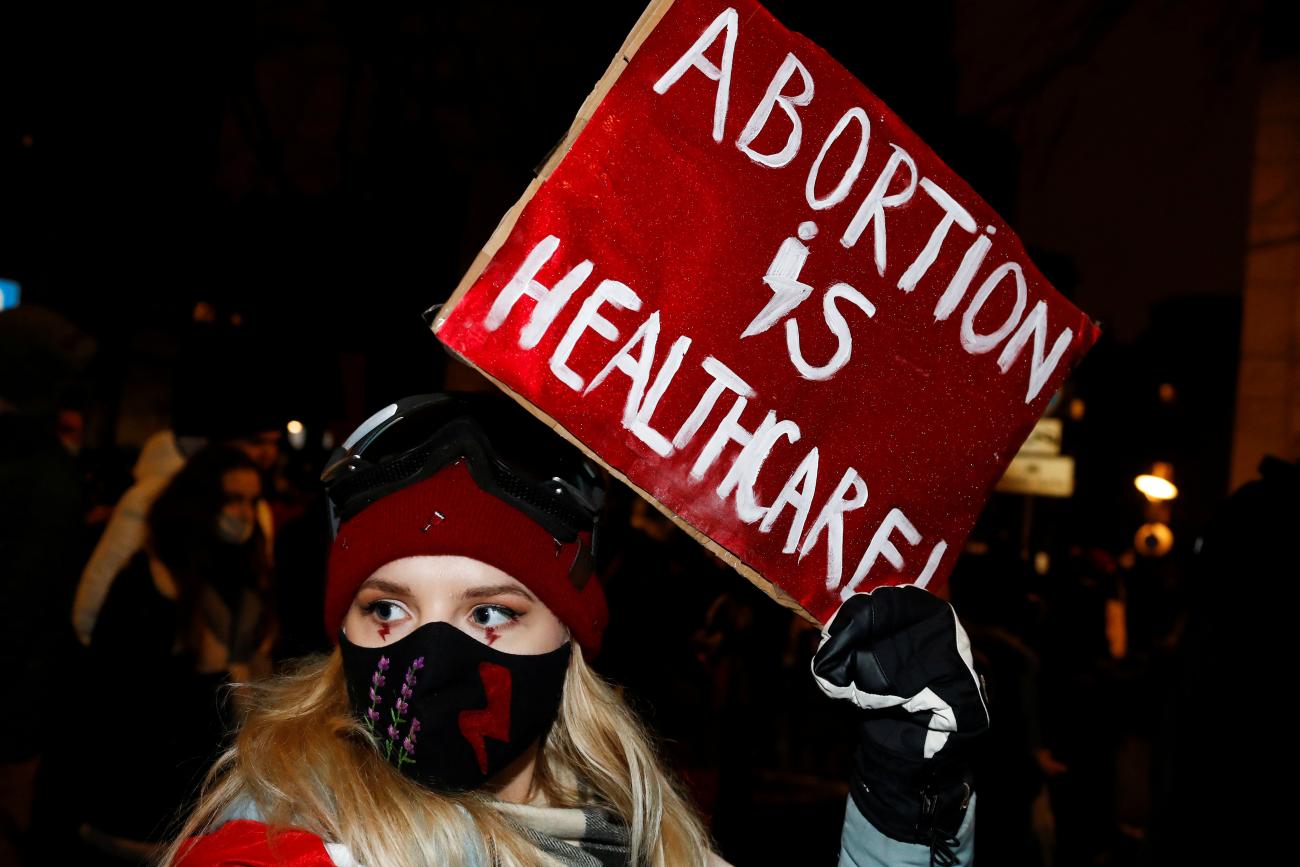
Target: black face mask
[(446, 709)]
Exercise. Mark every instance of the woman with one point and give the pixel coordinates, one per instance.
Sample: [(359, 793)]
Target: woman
[(457, 721), (185, 617)]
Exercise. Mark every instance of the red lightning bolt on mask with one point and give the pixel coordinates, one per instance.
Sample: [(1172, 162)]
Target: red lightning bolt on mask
[(492, 721)]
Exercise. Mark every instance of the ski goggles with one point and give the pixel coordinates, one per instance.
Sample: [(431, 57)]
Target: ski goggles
[(510, 455)]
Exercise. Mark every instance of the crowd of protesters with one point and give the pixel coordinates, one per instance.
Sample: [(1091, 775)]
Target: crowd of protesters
[(131, 601)]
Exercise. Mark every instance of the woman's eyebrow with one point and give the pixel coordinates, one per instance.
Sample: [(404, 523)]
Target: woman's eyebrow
[(386, 586), (496, 590)]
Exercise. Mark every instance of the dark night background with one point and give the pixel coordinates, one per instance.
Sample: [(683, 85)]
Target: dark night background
[(323, 172)]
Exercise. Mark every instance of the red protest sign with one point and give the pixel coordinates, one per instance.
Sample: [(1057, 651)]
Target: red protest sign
[(752, 292)]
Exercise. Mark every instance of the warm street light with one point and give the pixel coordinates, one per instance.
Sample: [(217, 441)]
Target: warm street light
[(1154, 540), (297, 435), (1157, 485)]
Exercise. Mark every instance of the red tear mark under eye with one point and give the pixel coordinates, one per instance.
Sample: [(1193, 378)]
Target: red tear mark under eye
[(492, 721), (383, 631), (491, 635)]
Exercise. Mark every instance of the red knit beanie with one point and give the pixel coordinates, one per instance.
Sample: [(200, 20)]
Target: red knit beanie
[(448, 513)]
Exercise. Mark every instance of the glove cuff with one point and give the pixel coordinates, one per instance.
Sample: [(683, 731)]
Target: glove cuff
[(912, 802)]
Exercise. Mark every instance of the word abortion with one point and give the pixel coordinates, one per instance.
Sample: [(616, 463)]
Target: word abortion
[(895, 186)]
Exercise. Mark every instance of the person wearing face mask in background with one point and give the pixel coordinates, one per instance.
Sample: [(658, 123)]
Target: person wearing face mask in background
[(160, 460), (189, 614), (225, 403)]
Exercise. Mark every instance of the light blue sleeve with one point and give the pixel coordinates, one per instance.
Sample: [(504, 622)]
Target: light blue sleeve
[(863, 846)]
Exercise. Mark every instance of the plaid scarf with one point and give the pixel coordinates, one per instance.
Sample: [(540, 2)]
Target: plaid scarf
[(573, 836)]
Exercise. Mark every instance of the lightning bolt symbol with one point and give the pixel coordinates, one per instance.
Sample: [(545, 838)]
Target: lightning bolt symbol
[(492, 721), (783, 279)]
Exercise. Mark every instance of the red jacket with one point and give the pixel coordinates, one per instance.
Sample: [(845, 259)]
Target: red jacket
[(244, 843)]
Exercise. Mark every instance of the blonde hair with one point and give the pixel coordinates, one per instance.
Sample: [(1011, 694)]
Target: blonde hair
[(305, 761)]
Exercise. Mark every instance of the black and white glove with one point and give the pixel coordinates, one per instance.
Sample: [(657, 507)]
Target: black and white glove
[(901, 655)]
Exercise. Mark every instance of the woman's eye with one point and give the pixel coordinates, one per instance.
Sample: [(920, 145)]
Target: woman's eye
[(385, 611), (492, 616)]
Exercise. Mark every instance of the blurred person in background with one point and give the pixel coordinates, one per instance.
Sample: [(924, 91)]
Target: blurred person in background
[(239, 419), (1220, 778), (1016, 826), (1082, 719), (41, 353), (188, 614)]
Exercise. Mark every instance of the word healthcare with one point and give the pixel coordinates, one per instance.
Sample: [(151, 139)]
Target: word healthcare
[(752, 292)]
